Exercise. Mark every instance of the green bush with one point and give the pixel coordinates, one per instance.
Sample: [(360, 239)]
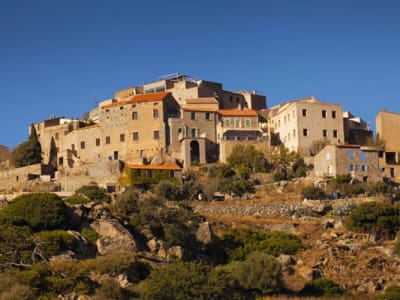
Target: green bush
[(54, 242), (279, 176), (44, 211), (239, 243), (90, 235), (93, 192), (391, 293), (169, 190), (126, 204), (312, 193), (29, 152), (76, 199), (181, 281), (379, 218), (247, 158), (322, 287), (259, 272)]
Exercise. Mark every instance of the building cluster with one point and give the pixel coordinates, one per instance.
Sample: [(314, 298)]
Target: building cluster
[(180, 121)]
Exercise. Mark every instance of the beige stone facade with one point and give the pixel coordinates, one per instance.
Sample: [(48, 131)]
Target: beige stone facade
[(387, 128), (361, 162), (297, 124)]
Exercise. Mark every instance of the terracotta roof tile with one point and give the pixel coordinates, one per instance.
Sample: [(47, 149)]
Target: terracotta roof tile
[(205, 100), (196, 108), (238, 112), (139, 98)]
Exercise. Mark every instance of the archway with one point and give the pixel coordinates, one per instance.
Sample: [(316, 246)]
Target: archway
[(194, 152)]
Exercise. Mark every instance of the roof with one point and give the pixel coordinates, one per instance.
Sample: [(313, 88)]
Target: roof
[(139, 98), (170, 167), (242, 133), (88, 126), (205, 100), (238, 112)]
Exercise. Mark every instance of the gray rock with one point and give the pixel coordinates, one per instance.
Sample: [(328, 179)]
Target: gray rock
[(176, 252), (204, 233), (113, 237)]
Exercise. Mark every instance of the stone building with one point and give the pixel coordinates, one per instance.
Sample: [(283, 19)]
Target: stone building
[(387, 126), (356, 130), (297, 124), (360, 161)]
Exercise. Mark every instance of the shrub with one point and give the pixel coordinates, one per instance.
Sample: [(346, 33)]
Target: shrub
[(126, 204), (391, 293), (322, 287), (54, 242), (181, 281), (29, 152), (300, 172), (279, 176), (239, 243), (312, 193), (76, 199), (248, 158), (169, 190), (39, 212), (90, 235), (376, 218), (93, 192), (259, 272)]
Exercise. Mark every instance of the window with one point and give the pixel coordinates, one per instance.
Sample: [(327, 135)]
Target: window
[(155, 113), (122, 137), (350, 168), (247, 123), (333, 114), (156, 134), (237, 123), (115, 155), (230, 98), (304, 111), (227, 122), (208, 116), (335, 133), (363, 156), (97, 142), (294, 133), (324, 134), (108, 140), (57, 136), (193, 115), (134, 115), (284, 119), (364, 168), (73, 147), (194, 132), (305, 132), (82, 145), (351, 154), (324, 113), (135, 136), (121, 107)]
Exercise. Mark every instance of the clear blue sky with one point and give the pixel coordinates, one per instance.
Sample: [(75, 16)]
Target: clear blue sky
[(61, 56)]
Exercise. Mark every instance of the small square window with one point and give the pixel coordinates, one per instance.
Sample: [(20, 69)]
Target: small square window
[(333, 114), (304, 112), (208, 116), (156, 134), (155, 113), (351, 154), (335, 133), (135, 136), (247, 123), (193, 115), (134, 115), (324, 133), (83, 145), (122, 137), (97, 142), (108, 140), (305, 132), (324, 113)]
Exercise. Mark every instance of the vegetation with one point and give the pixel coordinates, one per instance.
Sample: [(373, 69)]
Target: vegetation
[(317, 146), (247, 158), (181, 281), (312, 193), (379, 218), (322, 287), (44, 211), (391, 293), (288, 165), (29, 152), (54, 242), (93, 193), (260, 273), (239, 243)]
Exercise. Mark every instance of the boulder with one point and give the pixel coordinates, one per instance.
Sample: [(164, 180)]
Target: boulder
[(153, 245), (204, 233), (176, 252), (83, 248), (76, 215), (163, 249), (99, 212), (113, 236)]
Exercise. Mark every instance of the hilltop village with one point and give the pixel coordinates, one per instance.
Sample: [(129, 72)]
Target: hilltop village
[(178, 121), (180, 189)]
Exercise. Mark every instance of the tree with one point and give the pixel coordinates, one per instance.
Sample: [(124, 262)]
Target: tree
[(247, 157), (29, 152), (260, 273), (44, 211), (317, 146), (322, 287)]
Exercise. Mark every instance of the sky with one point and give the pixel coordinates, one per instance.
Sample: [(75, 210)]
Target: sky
[(60, 57)]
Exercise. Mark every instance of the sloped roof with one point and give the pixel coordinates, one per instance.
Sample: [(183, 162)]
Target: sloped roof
[(238, 112), (139, 98), (199, 108), (205, 100)]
